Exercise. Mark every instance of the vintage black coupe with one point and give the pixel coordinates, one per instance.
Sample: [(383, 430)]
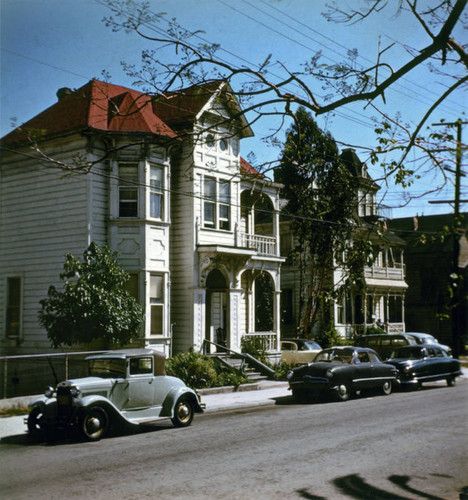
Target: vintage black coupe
[(424, 363), (341, 371), (125, 386)]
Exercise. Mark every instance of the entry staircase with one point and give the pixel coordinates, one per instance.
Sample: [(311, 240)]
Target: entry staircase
[(246, 364)]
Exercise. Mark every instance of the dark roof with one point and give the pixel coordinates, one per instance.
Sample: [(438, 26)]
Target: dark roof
[(357, 168), (95, 106)]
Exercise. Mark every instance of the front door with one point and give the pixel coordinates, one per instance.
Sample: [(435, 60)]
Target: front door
[(218, 318)]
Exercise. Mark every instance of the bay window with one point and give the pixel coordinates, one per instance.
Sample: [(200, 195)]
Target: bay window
[(128, 190), (216, 204), (156, 192), (157, 304)]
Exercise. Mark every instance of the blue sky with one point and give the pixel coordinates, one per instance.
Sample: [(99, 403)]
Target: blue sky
[(48, 44)]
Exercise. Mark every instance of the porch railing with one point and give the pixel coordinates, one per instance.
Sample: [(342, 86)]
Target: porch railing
[(264, 245), (397, 273), (268, 340)]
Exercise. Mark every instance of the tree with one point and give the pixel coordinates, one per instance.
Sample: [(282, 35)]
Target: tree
[(93, 303), (272, 89), (322, 199)]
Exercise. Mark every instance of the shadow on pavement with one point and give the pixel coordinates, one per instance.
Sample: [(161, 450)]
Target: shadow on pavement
[(354, 486)]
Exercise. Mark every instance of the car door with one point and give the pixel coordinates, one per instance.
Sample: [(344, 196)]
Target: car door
[(362, 371), (140, 383)]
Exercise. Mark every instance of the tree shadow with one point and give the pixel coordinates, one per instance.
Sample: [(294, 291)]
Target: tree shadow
[(354, 486)]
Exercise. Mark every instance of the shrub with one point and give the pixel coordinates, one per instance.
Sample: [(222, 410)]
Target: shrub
[(200, 372), (282, 369), (254, 346), (330, 338)]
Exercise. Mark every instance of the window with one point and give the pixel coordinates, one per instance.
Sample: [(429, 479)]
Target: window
[(139, 366), (131, 286), (13, 310), (287, 306), (216, 204), (210, 140), (156, 192), (223, 144), (128, 190), (157, 304)]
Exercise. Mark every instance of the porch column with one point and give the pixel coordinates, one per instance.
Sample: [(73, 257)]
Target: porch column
[(234, 319), (277, 315), (199, 317), (276, 232)]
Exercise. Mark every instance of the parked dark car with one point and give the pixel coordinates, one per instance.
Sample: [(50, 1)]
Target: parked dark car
[(425, 338), (424, 363), (385, 343), (124, 386), (341, 371)]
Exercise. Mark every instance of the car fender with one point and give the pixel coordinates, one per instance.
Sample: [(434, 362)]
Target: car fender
[(47, 405), (83, 404), (172, 397)]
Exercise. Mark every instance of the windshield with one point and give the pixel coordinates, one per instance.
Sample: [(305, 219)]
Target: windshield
[(310, 346), (335, 355), (407, 353), (108, 368)]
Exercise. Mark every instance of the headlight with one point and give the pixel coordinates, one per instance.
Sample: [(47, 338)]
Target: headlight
[(290, 374), (49, 392), (75, 392)]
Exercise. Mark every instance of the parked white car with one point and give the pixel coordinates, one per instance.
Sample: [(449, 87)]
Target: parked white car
[(298, 351), (124, 386)]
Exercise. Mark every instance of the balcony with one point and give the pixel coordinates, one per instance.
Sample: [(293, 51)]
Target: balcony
[(389, 273), (264, 245)]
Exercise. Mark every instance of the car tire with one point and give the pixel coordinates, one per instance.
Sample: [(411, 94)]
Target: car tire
[(387, 387), (451, 381), (343, 392), (94, 423), (35, 424), (183, 412)]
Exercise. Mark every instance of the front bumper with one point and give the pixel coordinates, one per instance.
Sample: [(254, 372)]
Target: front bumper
[(311, 383)]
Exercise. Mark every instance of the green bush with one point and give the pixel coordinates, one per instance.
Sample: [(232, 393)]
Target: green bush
[(254, 346), (374, 330), (330, 338), (282, 369), (200, 372)]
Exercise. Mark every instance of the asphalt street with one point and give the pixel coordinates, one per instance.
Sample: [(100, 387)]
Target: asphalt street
[(409, 445)]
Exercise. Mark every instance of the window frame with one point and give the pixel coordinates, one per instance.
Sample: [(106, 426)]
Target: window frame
[(132, 186), (155, 190), (157, 303), (216, 203)]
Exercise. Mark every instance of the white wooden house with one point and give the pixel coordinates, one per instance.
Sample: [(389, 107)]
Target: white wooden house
[(381, 299), (161, 181)]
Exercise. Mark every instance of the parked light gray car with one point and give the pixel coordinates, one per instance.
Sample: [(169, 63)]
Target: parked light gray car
[(124, 386)]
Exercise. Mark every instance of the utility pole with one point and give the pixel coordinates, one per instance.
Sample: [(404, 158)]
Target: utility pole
[(456, 278)]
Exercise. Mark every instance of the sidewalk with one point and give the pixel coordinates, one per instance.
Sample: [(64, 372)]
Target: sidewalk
[(218, 399)]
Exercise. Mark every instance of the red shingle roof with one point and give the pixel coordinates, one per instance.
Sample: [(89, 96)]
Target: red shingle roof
[(246, 168), (99, 106)]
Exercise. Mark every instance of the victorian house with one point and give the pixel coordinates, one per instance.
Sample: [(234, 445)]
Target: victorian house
[(162, 182), (380, 299)]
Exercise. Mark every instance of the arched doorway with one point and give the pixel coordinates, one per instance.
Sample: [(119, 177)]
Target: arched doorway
[(264, 303), (217, 308)]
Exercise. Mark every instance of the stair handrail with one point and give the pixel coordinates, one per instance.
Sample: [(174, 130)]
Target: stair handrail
[(248, 358)]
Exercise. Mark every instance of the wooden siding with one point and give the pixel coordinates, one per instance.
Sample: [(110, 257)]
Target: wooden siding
[(44, 215)]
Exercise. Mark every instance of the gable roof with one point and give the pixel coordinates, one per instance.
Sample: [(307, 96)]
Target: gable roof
[(95, 106), (185, 106)]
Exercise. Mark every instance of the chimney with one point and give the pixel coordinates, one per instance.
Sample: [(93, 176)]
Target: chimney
[(63, 92)]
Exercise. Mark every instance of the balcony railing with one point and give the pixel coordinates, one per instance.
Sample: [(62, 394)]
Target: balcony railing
[(264, 245), (393, 273)]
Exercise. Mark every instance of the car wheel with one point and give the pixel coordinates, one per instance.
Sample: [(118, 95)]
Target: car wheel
[(387, 387), (35, 424), (94, 423), (183, 412), (343, 392), (451, 381)]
